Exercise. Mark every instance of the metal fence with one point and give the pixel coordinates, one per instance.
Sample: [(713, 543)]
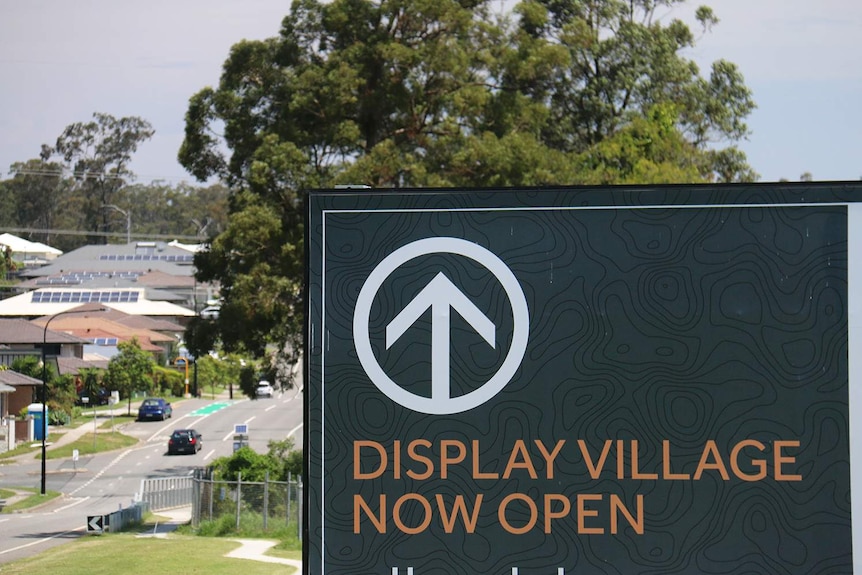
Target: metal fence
[(257, 504), (160, 493), (266, 504), (120, 520)]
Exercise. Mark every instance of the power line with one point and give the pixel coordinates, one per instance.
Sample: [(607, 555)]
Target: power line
[(102, 234), (132, 178)]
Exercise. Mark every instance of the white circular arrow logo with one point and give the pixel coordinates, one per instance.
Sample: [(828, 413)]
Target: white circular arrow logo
[(441, 296)]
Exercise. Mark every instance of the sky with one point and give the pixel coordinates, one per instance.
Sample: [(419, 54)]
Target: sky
[(61, 61)]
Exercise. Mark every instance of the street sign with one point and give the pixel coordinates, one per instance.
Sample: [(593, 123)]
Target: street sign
[(582, 380), (95, 523), (240, 428)]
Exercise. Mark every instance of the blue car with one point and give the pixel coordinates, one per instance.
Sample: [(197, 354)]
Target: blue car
[(154, 408)]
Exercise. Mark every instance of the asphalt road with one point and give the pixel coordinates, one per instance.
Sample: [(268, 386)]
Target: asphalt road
[(104, 483)]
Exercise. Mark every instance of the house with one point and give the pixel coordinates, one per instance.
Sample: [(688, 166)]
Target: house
[(17, 391), (104, 334), (164, 270), (129, 300), (27, 252), (21, 338)]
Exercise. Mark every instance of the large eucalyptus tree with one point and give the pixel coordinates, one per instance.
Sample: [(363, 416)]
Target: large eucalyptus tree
[(441, 93)]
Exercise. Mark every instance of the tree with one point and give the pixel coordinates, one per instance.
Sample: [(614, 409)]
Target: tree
[(419, 93), (129, 371), (252, 465), (280, 459), (41, 195), (162, 209), (98, 154)]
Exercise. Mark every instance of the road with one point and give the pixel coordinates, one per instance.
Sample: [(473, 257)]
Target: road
[(104, 483)]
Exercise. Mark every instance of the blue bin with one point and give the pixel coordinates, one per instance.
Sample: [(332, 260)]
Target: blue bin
[(34, 410)]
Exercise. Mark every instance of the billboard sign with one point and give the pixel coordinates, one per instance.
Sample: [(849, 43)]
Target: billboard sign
[(574, 380)]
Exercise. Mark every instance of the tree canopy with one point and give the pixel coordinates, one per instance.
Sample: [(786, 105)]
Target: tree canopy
[(98, 154), (434, 93), (130, 370)]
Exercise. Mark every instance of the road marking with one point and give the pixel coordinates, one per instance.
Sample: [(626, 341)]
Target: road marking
[(212, 408), (102, 471), (41, 540), (294, 430), (271, 407)]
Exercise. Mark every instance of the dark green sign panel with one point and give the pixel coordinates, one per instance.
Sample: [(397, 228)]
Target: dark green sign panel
[(590, 381)]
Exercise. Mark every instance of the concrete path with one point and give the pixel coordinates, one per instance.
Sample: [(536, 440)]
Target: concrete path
[(251, 549), (255, 550)]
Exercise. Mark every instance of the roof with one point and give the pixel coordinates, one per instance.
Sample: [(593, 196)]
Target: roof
[(52, 301), (188, 247), (92, 327), (145, 322), (21, 331), (73, 365), (116, 259), (20, 245), (15, 379)]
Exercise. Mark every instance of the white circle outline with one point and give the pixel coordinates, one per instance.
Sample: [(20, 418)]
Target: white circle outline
[(520, 335)]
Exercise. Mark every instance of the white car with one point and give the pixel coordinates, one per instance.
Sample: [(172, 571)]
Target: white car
[(264, 389), (210, 312)]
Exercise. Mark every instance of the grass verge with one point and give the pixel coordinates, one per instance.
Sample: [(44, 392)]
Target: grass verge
[(25, 448), (251, 527), (31, 498), (93, 443), (129, 554)]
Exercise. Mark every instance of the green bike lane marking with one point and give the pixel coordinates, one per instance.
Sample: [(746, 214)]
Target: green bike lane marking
[(212, 408)]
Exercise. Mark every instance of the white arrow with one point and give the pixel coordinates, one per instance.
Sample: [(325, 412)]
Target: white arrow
[(440, 295), (94, 523)]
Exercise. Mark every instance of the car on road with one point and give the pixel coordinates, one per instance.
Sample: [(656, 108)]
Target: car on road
[(263, 389), (154, 408), (185, 441)]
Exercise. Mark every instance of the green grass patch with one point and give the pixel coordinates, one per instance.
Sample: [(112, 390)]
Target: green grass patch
[(115, 421), (251, 527), (125, 553), (33, 499), (25, 448), (86, 445)]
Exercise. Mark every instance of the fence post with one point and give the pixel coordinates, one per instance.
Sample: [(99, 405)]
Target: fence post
[(238, 496), (196, 499), (289, 476), (299, 507), (265, 499)]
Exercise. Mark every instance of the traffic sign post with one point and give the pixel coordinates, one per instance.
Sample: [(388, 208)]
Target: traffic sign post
[(637, 378), (240, 435)]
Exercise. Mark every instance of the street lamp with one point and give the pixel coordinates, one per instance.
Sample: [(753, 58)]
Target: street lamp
[(45, 385), (128, 220)]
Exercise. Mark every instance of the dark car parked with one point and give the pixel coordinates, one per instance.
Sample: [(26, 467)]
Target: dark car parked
[(99, 396), (184, 441), (155, 408)]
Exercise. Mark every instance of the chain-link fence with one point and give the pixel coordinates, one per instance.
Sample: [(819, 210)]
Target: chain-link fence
[(254, 504)]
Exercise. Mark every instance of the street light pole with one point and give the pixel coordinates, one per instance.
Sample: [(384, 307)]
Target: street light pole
[(128, 215), (45, 387)]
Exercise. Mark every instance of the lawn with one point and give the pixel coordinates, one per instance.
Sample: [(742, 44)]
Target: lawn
[(131, 555)]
